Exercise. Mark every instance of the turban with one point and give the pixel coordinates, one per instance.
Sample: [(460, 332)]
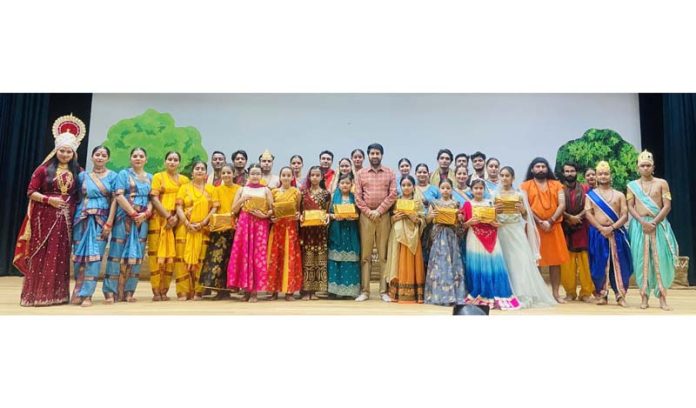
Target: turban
[(67, 140)]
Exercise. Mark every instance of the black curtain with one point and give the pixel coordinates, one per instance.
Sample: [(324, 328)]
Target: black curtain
[(679, 112), (23, 144), (668, 130), (25, 139)]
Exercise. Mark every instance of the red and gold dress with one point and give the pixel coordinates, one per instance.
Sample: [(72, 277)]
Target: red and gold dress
[(43, 247), (284, 254)]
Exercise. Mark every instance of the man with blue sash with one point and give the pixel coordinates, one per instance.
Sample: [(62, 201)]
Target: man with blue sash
[(609, 250), (653, 246)]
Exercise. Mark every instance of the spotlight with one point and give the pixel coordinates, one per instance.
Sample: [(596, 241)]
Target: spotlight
[(471, 310)]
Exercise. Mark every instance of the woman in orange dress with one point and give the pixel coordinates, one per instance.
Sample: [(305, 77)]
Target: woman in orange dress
[(284, 254)]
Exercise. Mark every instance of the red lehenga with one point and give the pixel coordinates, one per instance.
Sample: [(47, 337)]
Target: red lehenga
[(43, 247)]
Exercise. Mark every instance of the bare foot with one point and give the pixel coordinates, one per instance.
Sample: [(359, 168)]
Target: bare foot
[(644, 301), (621, 302), (663, 304), (156, 298), (602, 301), (222, 294), (182, 298), (76, 300), (165, 298), (197, 297), (559, 299), (253, 298), (87, 302), (289, 297), (109, 300), (313, 296), (305, 296), (586, 299), (274, 296), (245, 297), (131, 299), (569, 298)]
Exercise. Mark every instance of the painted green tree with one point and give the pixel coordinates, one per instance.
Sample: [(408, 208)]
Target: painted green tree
[(596, 145), (157, 133)]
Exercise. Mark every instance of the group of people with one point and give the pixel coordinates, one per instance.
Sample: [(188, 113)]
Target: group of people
[(442, 237)]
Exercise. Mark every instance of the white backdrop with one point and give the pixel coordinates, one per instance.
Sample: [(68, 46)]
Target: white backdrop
[(512, 127)]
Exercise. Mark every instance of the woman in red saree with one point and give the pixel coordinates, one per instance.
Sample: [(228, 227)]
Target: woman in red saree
[(44, 244)]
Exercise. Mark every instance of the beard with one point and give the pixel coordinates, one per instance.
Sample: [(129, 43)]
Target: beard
[(375, 162), (571, 179), (542, 175)]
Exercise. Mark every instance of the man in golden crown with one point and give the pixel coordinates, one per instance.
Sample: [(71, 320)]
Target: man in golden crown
[(653, 245), (608, 248), (268, 179)]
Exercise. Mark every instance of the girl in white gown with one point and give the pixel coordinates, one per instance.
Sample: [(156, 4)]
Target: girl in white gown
[(519, 240)]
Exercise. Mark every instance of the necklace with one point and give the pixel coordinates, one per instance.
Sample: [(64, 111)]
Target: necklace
[(197, 191), (650, 187), (544, 195), (64, 183), (611, 196), (100, 171)]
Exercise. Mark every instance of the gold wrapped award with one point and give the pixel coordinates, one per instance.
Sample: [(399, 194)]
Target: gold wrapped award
[(221, 222), (345, 211), (446, 216), (283, 209), (314, 218), (484, 214), (509, 203), (406, 206), (256, 203)]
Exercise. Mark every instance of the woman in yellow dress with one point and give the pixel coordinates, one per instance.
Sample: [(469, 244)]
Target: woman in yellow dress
[(194, 206), (166, 236), (214, 274), (405, 267)]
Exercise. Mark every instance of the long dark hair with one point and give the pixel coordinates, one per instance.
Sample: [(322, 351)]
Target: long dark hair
[(73, 166), (350, 172), (478, 181), (344, 176), (549, 173), (357, 150), (409, 178), (509, 169), (419, 165), (308, 182)]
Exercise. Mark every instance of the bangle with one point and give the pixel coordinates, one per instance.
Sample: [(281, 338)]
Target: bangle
[(44, 199)]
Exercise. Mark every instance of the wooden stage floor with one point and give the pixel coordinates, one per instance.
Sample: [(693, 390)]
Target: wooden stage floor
[(683, 301)]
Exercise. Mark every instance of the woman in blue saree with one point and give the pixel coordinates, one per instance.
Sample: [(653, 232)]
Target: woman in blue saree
[(92, 224), (129, 235)]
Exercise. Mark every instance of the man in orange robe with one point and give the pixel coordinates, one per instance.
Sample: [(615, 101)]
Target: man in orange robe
[(547, 202)]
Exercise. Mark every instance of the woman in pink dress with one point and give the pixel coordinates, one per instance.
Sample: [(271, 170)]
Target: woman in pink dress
[(247, 269)]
